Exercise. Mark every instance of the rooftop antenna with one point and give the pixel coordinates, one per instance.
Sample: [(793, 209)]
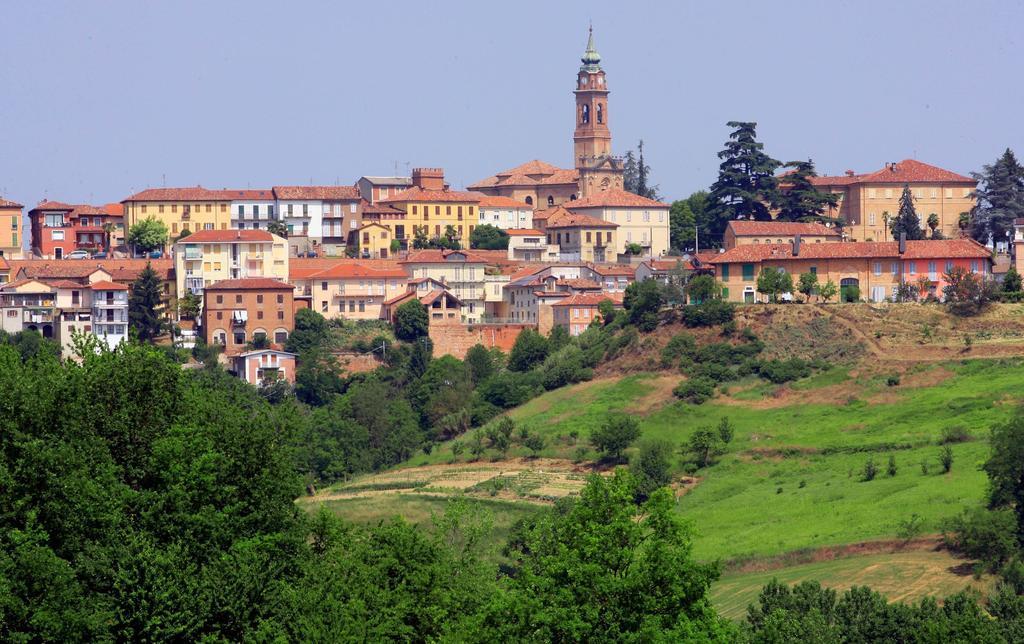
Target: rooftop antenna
[(163, 178)]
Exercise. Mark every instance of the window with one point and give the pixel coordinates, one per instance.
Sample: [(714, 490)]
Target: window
[(256, 211), (725, 272), (362, 306), (647, 216), (280, 315), (895, 268), (323, 286), (238, 298), (239, 337), (437, 210), (280, 298), (220, 315), (878, 268), (529, 201), (949, 193), (913, 268), (974, 266), (323, 306), (159, 208), (207, 226), (57, 235), (935, 193), (220, 299), (290, 209), (661, 217), (871, 219), (143, 208), (259, 314), (814, 270), (305, 209), (871, 193), (280, 337), (241, 210), (748, 272), (551, 200), (414, 210)]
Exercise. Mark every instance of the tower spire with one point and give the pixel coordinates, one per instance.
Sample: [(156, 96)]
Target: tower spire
[(591, 59)]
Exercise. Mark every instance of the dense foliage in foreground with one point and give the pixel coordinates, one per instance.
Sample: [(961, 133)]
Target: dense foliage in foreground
[(139, 501)]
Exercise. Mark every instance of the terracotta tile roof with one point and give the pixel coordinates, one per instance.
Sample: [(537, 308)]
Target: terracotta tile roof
[(494, 257), (614, 198), (417, 194), (523, 232), (55, 269), (104, 285), (561, 177), (660, 265), (906, 171), (579, 284), (226, 236), (264, 194), (6, 203), (399, 298), (528, 174), (919, 249), (322, 193), (769, 228), (496, 201), (52, 205), (429, 298), (590, 299), (113, 209), (197, 193), (613, 269), (437, 256), (3, 264), (250, 284), (304, 267), (71, 284), (344, 271), (22, 282), (551, 294), (370, 209), (578, 220)]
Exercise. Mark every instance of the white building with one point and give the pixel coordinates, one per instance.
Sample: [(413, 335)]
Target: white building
[(109, 312), (252, 208), (529, 245), (505, 213), (303, 209)]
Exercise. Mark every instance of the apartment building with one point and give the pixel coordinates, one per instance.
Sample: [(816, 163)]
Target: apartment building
[(640, 221), (120, 271), (209, 256), (374, 241), (582, 238), (577, 312), (430, 208), (505, 213), (530, 245), (462, 272), (11, 224), (374, 189), (868, 270), (867, 202), (739, 232), (319, 216), (237, 312), (352, 291), (109, 311), (59, 229), (253, 209), (181, 209), (261, 366)]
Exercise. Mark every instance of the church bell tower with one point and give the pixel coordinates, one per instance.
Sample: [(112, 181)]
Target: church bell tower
[(592, 140)]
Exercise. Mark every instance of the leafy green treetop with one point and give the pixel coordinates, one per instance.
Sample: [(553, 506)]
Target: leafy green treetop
[(148, 235), (1000, 196), (411, 321), (488, 237), (278, 228), (773, 282)]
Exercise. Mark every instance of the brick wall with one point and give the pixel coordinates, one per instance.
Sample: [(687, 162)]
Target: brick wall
[(456, 340), (358, 362)]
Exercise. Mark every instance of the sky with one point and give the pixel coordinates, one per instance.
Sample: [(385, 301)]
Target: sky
[(103, 99)]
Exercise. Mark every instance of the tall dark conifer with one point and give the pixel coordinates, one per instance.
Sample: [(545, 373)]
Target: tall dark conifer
[(1000, 195), (144, 305), (629, 172), (746, 185), (906, 220), (642, 172), (800, 200)]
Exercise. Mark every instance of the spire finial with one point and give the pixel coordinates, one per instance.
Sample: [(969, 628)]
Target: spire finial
[(591, 59)]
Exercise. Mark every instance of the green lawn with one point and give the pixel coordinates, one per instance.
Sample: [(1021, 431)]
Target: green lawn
[(752, 502)]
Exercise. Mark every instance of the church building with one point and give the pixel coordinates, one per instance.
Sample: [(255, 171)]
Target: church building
[(543, 185)]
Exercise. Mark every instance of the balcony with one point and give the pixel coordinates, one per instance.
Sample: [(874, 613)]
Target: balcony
[(193, 253), (109, 303), (239, 318), (37, 317), (194, 285), (110, 317)]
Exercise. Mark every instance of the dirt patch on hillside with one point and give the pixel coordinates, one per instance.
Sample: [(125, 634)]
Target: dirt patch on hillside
[(828, 553), (659, 395)]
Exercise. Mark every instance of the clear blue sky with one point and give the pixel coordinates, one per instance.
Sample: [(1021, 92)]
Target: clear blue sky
[(100, 99)]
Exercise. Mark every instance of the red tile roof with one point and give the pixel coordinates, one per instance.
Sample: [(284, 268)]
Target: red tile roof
[(250, 284), (344, 271), (68, 284), (496, 201), (321, 193), (658, 265), (22, 282), (579, 283), (417, 194), (614, 198), (6, 203), (52, 205), (437, 256), (769, 228), (906, 171), (197, 193), (429, 298), (104, 285), (523, 232), (918, 249), (124, 270), (528, 174), (590, 299), (613, 269), (226, 236), (380, 209), (578, 220)]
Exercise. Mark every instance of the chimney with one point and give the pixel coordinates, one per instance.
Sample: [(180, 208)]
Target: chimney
[(903, 242), (796, 245), (428, 178), (849, 173), (892, 166)]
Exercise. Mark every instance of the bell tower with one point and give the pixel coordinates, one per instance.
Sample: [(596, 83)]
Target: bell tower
[(592, 139)]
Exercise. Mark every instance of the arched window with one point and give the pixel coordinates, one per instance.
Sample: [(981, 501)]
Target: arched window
[(585, 117), (220, 337), (551, 200), (529, 201), (600, 113)]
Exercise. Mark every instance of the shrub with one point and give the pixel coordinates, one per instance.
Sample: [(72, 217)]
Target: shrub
[(729, 328), (892, 381), (954, 434), (891, 469), (566, 366), (851, 293), (986, 535), (946, 458), (616, 434), (910, 528), (534, 443), (708, 313), (681, 344), (967, 293), (714, 371), (652, 467), (780, 371), (695, 390), (870, 470), (529, 350)]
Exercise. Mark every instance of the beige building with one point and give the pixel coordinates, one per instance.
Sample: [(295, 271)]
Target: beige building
[(180, 209), (868, 201), (12, 225), (505, 213), (210, 256), (530, 245), (352, 291), (463, 273), (640, 220), (582, 238), (740, 232)]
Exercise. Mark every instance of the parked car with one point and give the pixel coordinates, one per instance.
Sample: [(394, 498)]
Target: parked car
[(77, 254), (99, 255), (155, 255)]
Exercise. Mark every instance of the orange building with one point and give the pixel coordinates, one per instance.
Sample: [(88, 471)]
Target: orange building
[(576, 312), (739, 232), (238, 311)]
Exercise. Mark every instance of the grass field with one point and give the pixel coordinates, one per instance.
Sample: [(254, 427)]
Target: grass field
[(901, 576), (792, 476)]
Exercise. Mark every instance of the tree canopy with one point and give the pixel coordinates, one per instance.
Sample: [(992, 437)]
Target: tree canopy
[(746, 186), (148, 235), (1000, 195), (906, 220), (411, 320), (800, 200), (145, 309), (488, 237)]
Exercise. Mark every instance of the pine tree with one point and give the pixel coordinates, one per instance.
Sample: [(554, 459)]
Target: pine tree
[(906, 220), (642, 172), (801, 201), (629, 172), (746, 185), (144, 305), (1000, 195)]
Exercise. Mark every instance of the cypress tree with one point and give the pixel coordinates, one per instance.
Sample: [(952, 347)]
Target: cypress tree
[(144, 305), (906, 220)]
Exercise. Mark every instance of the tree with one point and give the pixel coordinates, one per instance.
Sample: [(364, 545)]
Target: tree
[(746, 184), (773, 282), (688, 219), (411, 321), (643, 171), (652, 467), (529, 350), (488, 237), (419, 237), (800, 200), (634, 249), (535, 443), (807, 285), (1011, 281), (906, 220), (189, 305), (967, 293), (703, 288), (275, 227), (1005, 468), (629, 172), (148, 235), (607, 311), (481, 363), (828, 291), (311, 332), (558, 338), (1000, 196), (145, 310), (605, 569), (642, 301), (109, 228), (317, 377), (707, 442), (933, 225), (616, 434)]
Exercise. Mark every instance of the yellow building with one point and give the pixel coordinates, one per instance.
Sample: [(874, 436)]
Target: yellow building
[(430, 207), (463, 273), (867, 201), (739, 232), (11, 230), (641, 221), (209, 256), (191, 209), (581, 238), (374, 241)]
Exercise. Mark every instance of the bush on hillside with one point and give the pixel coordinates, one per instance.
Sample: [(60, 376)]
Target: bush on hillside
[(510, 389), (986, 535), (695, 390), (529, 350), (615, 435), (707, 313), (780, 371), (680, 345), (652, 468), (564, 367)]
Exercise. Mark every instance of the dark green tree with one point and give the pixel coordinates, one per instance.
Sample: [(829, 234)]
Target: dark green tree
[(906, 220), (773, 282), (1012, 281), (643, 171), (1000, 196), (629, 172), (799, 199), (488, 237), (652, 468), (1005, 468), (311, 332), (643, 301), (317, 377), (615, 435), (530, 349), (145, 309), (411, 321), (275, 227), (746, 186), (690, 223), (481, 363)]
